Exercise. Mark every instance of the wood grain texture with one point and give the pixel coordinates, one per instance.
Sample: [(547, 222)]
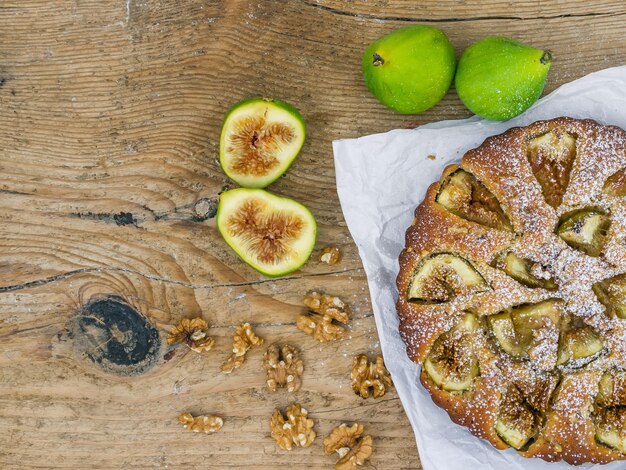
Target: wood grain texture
[(110, 114)]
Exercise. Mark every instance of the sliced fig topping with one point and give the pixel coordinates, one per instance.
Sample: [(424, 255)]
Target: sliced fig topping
[(260, 139), (538, 391), (518, 329), (524, 271), (551, 156), (443, 276), (451, 363), (612, 294), (466, 197), (612, 388), (616, 184), (517, 423), (585, 230), (579, 346), (503, 330), (274, 235), (611, 428)]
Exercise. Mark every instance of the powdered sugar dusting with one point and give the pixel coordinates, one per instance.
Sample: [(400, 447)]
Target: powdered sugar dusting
[(601, 151)]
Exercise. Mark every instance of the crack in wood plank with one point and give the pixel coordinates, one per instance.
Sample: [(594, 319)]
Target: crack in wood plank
[(120, 218), (366, 16), (376, 402), (62, 276), (211, 327), (288, 323), (128, 7)]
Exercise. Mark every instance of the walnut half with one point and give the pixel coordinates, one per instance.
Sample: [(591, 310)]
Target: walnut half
[(283, 367), (368, 375), (206, 424), (330, 255), (243, 340), (327, 317), (296, 429), (353, 450), (193, 332)]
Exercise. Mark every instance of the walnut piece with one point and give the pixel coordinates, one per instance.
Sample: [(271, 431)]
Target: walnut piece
[(283, 367), (243, 340), (206, 424), (233, 362), (193, 332), (368, 375), (296, 429), (319, 322), (353, 450), (330, 255)]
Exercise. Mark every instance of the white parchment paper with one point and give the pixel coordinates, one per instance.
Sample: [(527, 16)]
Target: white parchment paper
[(380, 180)]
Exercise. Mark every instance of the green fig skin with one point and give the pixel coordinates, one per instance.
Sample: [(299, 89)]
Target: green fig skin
[(499, 78), (411, 69)]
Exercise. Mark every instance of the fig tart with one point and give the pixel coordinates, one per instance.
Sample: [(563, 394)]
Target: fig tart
[(512, 291)]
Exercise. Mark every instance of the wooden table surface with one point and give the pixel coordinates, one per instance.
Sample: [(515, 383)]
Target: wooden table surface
[(110, 113)]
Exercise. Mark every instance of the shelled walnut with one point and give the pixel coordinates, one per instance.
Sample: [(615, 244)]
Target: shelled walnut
[(327, 320), (368, 375), (193, 332), (296, 430), (330, 255), (353, 450), (243, 340), (233, 362), (283, 367), (206, 424)]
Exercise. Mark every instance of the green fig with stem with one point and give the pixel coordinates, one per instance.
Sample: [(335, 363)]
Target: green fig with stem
[(499, 78), (411, 69)]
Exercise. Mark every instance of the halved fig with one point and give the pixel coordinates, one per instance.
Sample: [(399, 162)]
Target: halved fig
[(513, 329), (451, 363), (503, 330), (442, 276), (611, 428), (579, 346), (463, 195), (273, 234), (612, 388), (612, 294), (551, 158), (585, 230), (516, 423), (538, 390), (524, 271), (260, 139), (616, 184)]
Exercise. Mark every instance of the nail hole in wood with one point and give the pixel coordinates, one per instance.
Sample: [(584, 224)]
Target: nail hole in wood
[(206, 208)]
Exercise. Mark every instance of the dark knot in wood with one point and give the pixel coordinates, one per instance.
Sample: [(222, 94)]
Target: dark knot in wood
[(206, 208), (115, 336)]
